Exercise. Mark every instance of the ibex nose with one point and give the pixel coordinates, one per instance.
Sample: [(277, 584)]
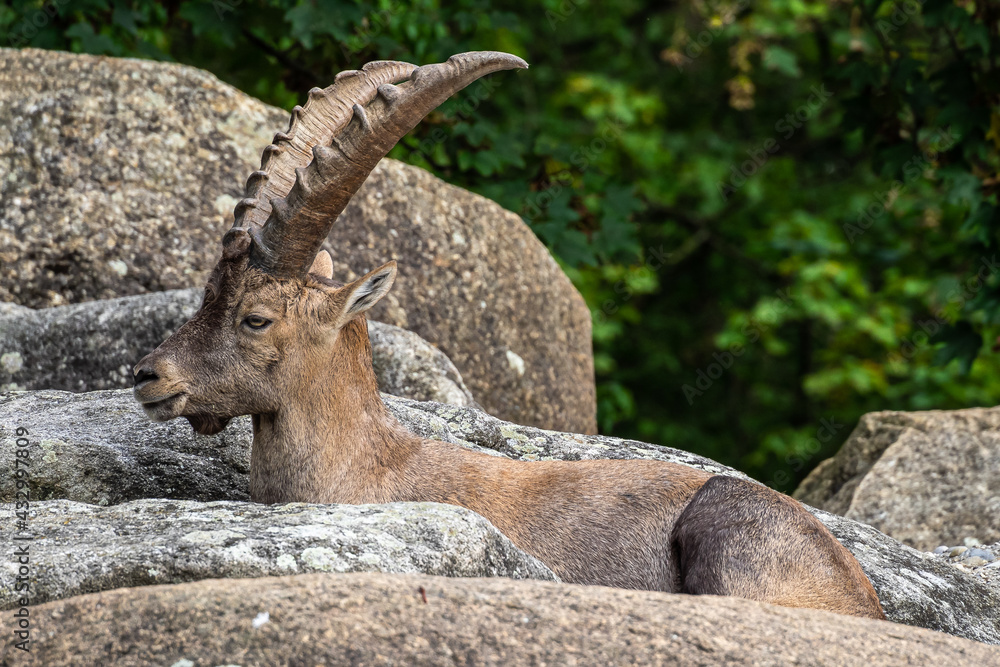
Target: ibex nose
[(142, 374)]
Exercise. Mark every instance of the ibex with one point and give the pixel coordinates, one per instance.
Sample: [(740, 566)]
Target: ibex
[(278, 339)]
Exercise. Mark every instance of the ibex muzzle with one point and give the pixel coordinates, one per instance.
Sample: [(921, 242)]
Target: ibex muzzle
[(276, 338)]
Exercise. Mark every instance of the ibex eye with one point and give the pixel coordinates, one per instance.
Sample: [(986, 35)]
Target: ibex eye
[(256, 321)]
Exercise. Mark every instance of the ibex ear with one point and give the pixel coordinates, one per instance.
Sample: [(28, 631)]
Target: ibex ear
[(365, 292), (322, 266)]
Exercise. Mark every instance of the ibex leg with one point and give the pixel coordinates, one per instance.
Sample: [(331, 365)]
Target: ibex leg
[(743, 539)]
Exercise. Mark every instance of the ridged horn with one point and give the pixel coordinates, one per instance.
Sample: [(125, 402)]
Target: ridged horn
[(298, 223), (325, 113)]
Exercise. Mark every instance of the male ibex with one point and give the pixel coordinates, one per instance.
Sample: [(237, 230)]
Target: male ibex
[(277, 339)]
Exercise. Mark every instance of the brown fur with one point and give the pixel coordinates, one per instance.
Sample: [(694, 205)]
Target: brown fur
[(322, 434)]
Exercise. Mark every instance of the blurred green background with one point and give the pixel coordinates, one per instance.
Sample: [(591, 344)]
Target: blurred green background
[(783, 214)]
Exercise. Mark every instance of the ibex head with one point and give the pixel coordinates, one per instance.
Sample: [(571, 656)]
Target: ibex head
[(271, 311)]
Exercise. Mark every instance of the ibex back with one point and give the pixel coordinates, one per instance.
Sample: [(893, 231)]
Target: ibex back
[(276, 338)]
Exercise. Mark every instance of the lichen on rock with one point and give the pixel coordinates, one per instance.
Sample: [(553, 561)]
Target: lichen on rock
[(83, 548)]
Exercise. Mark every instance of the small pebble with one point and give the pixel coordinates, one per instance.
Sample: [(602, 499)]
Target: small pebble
[(979, 560)]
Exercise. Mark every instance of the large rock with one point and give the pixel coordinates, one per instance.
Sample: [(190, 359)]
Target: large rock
[(475, 281), (99, 447), (386, 619), (120, 177), (7, 308), (925, 478), (95, 345), (915, 588), (83, 548), (409, 367)]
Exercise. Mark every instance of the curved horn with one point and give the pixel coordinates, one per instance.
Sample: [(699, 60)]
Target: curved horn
[(298, 223), (325, 114)]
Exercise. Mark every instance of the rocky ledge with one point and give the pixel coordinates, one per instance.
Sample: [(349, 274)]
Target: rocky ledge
[(100, 448), (79, 548), (392, 619)]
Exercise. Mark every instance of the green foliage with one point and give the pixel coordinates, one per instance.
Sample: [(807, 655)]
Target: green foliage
[(782, 213)]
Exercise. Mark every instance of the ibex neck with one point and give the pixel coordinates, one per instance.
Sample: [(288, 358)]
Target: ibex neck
[(334, 441)]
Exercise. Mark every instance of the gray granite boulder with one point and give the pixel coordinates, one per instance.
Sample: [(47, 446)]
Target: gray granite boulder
[(409, 367), (80, 548), (94, 345), (120, 177), (7, 308), (139, 459), (100, 448), (925, 478), (475, 281), (915, 588), (88, 346), (394, 619)]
